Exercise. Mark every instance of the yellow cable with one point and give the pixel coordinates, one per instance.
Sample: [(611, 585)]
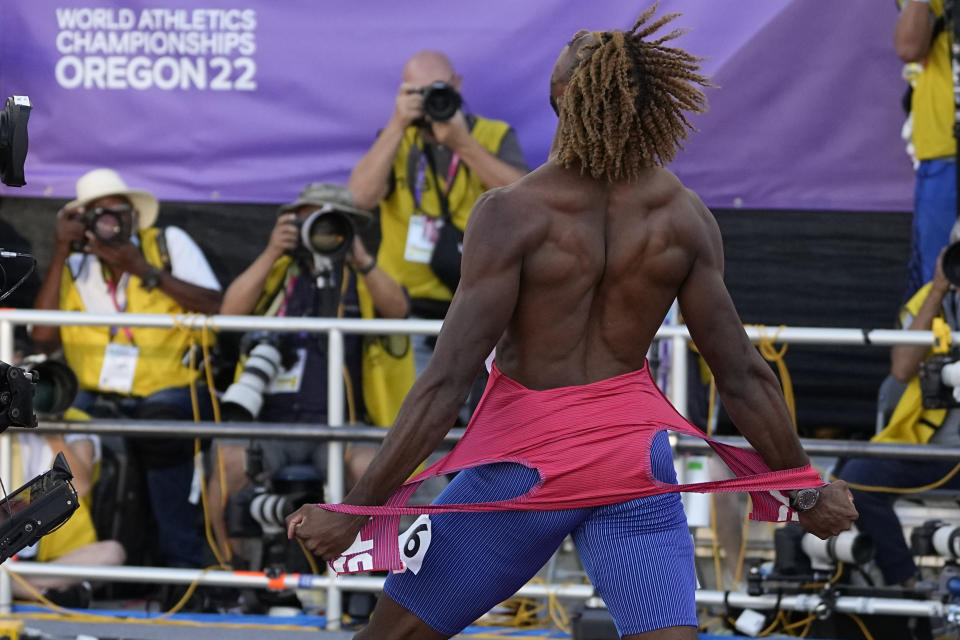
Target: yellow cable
[(882, 489), (208, 370), (777, 619), (834, 578), (207, 524), (310, 559), (863, 627), (767, 350)]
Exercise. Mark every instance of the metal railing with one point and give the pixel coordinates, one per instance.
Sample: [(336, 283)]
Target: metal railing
[(335, 328)]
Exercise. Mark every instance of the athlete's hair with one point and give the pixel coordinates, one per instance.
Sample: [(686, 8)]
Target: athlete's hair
[(623, 109)]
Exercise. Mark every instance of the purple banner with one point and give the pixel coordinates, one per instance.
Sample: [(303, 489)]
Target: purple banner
[(246, 102)]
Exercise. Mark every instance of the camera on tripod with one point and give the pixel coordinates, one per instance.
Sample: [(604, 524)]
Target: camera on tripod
[(267, 356), (259, 510), (13, 140), (940, 380), (45, 502), (798, 553), (936, 538)]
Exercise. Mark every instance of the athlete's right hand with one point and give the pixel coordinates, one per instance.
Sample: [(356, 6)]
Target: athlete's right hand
[(833, 513), (326, 534)]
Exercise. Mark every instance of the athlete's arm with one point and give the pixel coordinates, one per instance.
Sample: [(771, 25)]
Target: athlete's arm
[(750, 392), (481, 309)]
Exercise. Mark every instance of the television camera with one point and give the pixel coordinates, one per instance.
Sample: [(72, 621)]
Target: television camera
[(13, 140), (48, 500)]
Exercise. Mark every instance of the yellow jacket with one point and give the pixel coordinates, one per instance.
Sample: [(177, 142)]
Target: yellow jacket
[(159, 362)]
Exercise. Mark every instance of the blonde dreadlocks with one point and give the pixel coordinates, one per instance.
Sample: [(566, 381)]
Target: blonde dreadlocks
[(623, 109)]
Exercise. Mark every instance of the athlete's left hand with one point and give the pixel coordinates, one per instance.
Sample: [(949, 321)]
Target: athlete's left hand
[(326, 534), (833, 513)]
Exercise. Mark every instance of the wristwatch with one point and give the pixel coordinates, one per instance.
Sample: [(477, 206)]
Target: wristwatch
[(151, 279), (804, 499)]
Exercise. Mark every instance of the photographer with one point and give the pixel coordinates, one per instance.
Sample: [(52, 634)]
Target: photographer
[(297, 277), (430, 163), (911, 422), (109, 257), (922, 35)]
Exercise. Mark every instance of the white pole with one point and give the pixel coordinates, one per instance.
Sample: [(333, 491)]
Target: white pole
[(335, 471), (258, 580), (6, 462)]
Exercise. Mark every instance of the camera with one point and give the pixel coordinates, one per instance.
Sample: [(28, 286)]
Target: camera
[(951, 264), (940, 380), (37, 508), (266, 357), (260, 509), (16, 397), (440, 101), (327, 232), (936, 538), (798, 553), (13, 140), (56, 384), (110, 226)]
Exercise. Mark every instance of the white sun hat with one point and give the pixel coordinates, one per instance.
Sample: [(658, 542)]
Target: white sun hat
[(100, 183)]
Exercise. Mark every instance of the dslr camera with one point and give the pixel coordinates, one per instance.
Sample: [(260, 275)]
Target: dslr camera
[(440, 102), (13, 140), (108, 225), (940, 380)]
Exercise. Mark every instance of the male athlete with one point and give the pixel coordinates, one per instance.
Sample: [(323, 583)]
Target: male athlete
[(569, 273)]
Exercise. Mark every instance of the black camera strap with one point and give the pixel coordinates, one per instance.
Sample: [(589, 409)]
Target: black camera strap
[(950, 311)]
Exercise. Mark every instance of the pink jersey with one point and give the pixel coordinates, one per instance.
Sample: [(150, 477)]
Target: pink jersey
[(590, 445)]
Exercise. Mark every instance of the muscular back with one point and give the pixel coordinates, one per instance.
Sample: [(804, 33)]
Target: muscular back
[(602, 263)]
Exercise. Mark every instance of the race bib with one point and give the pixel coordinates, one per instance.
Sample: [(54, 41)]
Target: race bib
[(119, 366), (422, 236), (289, 380), (414, 543)]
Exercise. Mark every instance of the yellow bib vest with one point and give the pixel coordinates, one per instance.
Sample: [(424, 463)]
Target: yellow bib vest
[(910, 422), (397, 208), (161, 351)]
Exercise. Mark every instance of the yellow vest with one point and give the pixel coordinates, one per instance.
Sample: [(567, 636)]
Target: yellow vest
[(396, 209), (160, 350), (388, 368), (910, 422), (932, 102)]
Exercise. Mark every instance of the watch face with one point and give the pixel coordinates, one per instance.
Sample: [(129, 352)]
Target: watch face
[(806, 499)]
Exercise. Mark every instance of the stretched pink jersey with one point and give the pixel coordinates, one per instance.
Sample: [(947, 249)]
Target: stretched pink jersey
[(590, 445)]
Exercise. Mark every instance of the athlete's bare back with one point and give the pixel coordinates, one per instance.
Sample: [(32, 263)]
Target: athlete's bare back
[(570, 276), (604, 264)]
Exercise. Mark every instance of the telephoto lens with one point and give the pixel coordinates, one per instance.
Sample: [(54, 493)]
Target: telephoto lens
[(327, 232)]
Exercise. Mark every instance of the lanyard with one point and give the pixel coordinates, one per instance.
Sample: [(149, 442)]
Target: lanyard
[(111, 285), (291, 282), (420, 182)]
